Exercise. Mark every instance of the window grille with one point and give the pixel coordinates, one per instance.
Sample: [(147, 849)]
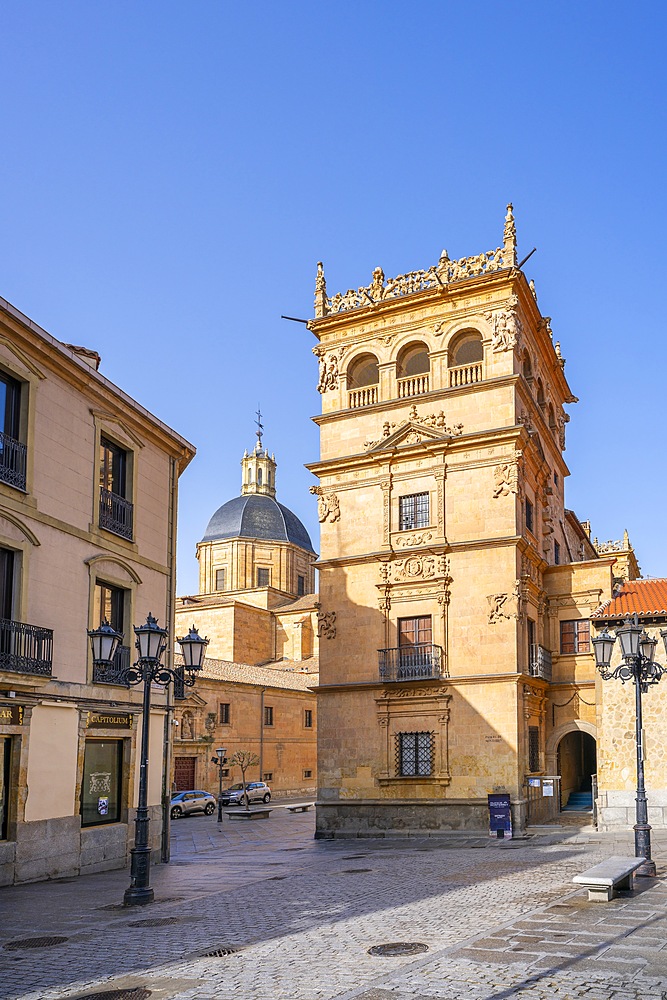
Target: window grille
[(263, 577), (267, 776), (415, 754), (225, 713), (300, 586), (530, 520), (221, 579), (307, 774), (533, 749), (268, 715), (308, 718), (413, 511), (556, 554)]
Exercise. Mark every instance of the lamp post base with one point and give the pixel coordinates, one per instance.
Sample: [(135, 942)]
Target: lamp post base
[(134, 896), (643, 849)]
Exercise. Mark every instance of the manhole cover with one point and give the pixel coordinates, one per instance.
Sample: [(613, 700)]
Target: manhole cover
[(36, 942), (221, 952), (397, 949), (154, 922), (132, 994)]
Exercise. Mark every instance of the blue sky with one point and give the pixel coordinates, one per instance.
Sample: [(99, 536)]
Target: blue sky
[(172, 172)]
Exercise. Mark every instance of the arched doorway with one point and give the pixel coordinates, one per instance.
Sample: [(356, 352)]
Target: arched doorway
[(576, 763)]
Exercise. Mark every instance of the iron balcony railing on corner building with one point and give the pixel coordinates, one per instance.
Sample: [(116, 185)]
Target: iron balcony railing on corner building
[(12, 461), (116, 513), (540, 662), (114, 673), (25, 649), (422, 661)]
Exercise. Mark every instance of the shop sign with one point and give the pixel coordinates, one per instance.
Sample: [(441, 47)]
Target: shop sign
[(11, 715), (108, 720)]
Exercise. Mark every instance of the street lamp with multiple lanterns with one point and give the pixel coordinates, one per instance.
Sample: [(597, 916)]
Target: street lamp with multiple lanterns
[(638, 666), (151, 642)]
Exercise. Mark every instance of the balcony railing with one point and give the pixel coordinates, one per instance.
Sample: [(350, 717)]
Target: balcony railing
[(413, 386), (423, 661), (12, 461), (362, 397), (466, 374), (113, 673), (540, 662), (25, 649), (116, 513)]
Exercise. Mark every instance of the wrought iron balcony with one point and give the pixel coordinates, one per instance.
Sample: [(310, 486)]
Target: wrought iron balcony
[(25, 649), (422, 661), (539, 662), (116, 513), (113, 674), (12, 461)]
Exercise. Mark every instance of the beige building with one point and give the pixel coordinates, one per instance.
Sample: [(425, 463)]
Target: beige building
[(88, 496), (459, 586), (257, 606)]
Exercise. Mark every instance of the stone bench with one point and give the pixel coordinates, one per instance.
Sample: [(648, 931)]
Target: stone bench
[(301, 809), (604, 879), (248, 813)]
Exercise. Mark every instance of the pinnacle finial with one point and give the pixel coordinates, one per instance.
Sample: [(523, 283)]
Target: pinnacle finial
[(320, 291), (509, 238), (260, 427)]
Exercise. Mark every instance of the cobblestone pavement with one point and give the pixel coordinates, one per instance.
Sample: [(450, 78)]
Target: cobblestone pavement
[(261, 911)]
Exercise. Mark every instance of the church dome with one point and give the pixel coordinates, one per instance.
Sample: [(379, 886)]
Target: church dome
[(256, 515)]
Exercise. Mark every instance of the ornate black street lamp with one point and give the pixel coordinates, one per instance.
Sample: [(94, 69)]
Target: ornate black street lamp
[(637, 650), (220, 762), (151, 644)]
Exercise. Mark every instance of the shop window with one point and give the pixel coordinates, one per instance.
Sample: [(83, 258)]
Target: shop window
[(116, 510), (12, 450), (575, 636), (101, 787), (221, 579), (263, 577), (308, 718), (533, 749), (268, 715), (225, 713), (415, 754), (413, 511), (5, 775)]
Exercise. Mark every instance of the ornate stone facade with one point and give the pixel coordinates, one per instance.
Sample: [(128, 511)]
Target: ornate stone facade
[(454, 563)]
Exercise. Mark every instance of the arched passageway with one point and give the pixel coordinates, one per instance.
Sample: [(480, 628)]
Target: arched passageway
[(577, 766)]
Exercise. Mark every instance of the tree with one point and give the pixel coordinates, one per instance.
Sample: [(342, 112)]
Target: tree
[(244, 759)]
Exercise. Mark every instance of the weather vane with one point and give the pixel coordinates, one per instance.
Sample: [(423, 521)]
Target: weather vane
[(260, 426)]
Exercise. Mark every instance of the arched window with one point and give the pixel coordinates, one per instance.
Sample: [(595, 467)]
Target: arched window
[(259, 477), (363, 371), (526, 367), (413, 360), (465, 358)]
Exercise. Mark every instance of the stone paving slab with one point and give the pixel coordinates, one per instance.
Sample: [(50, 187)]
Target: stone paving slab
[(298, 916)]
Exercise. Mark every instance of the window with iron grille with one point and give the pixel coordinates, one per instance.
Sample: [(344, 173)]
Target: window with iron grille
[(575, 636), (263, 577), (12, 449), (308, 718), (221, 579), (267, 776), (268, 715), (116, 510), (225, 713), (413, 511), (307, 774), (533, 749), (111, 604), (415, 754), (556, 554), (300, 586), (530, 520)]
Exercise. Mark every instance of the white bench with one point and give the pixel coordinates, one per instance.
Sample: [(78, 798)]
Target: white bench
[(604, 879), (300, 809)]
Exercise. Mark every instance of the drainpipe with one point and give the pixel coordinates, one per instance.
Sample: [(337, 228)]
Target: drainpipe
[(261, 734)]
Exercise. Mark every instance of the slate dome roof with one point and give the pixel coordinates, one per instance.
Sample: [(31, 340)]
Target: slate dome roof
[(257, 516)]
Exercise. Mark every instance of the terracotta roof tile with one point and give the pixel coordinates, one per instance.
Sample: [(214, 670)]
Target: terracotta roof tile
[(648, 598)]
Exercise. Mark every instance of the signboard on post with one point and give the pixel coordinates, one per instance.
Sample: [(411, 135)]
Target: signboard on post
[(500, 815)]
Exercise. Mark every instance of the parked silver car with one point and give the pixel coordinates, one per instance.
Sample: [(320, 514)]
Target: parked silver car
[(186, 803), (258, 791)]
